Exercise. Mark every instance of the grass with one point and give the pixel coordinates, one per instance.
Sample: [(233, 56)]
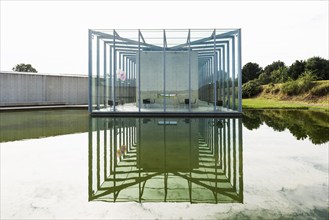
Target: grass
[(262, 103), (272, 97)]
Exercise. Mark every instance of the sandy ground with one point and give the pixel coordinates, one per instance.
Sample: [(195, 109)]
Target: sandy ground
[(47, 178)]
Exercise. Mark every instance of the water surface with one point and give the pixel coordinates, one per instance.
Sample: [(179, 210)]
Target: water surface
[(270, 164)]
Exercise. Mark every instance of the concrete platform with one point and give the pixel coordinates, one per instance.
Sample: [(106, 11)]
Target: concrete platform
[(42, 107), (130, 109)]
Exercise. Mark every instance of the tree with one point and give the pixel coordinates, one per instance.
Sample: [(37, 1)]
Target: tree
[(279, 75), (250, 71), (24, 68), (296, 69), (274, 66), (277, 68), (264, 78), (319, 67)]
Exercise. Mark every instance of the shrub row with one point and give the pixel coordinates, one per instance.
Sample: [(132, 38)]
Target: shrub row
[(301, 85), (320, 90)]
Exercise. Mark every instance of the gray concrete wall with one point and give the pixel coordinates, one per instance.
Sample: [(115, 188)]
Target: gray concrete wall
[(177, 76), (19, 89)]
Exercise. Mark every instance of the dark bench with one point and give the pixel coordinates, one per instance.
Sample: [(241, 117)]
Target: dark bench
[(110, 103), (219, 103), (148, 101), (187, 101)]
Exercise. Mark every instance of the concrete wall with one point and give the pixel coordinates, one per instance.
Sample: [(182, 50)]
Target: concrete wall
[(19, 89), (177, 76)]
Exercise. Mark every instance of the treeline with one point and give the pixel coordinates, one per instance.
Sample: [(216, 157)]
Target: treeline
[(293, 77), (313, 126)]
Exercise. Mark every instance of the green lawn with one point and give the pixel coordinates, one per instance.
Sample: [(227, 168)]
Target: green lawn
[(261, 103)]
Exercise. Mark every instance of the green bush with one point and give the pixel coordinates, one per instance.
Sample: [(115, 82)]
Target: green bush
[(320, 90), (251, 89), (306, 81), (303, 84), (269, 87), (290, 88)]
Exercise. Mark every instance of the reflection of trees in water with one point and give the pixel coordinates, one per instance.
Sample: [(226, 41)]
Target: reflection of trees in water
[(301, 123)]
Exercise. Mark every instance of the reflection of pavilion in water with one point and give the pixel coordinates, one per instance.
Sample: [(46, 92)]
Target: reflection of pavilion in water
[(165, 160)]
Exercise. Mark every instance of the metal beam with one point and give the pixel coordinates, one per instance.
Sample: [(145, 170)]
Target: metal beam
[(109, 36)]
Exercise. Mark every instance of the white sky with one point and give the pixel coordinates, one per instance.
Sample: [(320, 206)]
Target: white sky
[(52, 35)]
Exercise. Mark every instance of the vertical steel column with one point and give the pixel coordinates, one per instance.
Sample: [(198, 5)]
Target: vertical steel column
[(228, 75), (189, 70), (124, 63), (139, 71), (220, 74), (119, 80), (215, 72), (105, 78), (164, 70), (111, 71), (90, 70), (224, 75), (97, 72), (239, 73), (233, 72), (135, 79), (114, 71), (208, 80), (125, 91), (128, 80)]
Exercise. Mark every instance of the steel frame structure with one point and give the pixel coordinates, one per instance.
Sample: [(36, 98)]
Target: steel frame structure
[(219, 63)]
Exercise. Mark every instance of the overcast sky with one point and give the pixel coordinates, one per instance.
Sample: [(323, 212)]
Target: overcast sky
[(52, 35)]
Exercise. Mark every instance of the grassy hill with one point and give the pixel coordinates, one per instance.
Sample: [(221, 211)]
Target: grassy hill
[(275, 96)]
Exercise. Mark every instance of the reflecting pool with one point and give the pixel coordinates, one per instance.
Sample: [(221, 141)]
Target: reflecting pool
[(270, 164)]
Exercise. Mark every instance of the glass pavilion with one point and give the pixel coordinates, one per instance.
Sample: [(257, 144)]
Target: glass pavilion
[(165, 72)]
